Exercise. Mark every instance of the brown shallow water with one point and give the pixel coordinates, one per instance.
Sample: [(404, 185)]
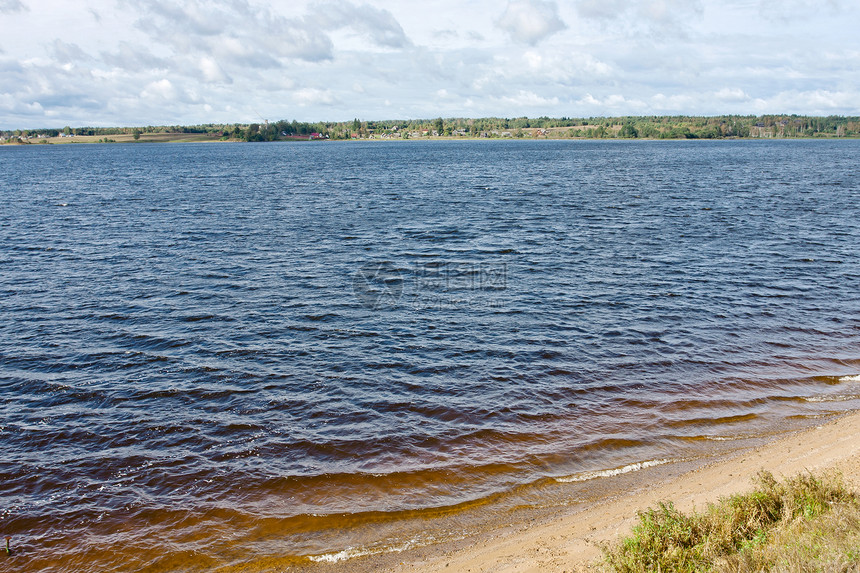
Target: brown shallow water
[(259, 530)]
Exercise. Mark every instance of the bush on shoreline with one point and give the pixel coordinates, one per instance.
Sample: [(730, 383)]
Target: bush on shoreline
[(805, 523)]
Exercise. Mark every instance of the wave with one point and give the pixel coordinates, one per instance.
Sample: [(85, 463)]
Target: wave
[(638, 466)]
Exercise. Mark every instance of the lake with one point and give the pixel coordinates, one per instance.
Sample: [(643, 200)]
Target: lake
[(212, 354)]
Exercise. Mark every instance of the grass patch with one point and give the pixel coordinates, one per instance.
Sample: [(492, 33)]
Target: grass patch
[(805, 523)]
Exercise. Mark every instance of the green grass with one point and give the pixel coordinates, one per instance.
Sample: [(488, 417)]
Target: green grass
[(805, 523)]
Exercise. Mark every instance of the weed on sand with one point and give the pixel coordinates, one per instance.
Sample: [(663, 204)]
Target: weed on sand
[(805, 523)]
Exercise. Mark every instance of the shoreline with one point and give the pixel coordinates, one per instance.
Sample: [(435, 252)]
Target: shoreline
[(571, 542), (206, 138)]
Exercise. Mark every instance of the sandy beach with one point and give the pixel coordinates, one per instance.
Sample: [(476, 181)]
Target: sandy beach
[(571, 543)]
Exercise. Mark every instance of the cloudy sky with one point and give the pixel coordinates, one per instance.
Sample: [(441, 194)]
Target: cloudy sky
[(157, 62)]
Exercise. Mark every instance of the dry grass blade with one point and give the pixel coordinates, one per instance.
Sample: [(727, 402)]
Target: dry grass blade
[(804, 523)]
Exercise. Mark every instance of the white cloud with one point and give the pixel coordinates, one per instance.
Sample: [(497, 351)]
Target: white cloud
[(643, 16), (612, 104), (529, 99), (819, 101), (669, 12), (11, 6), (313, 96), (671, 104), (212, 72), (203, 26), (790, 9), (601, 9), (570, 66), (120, 62), (67, 53), (731, 95), (377, 24), (530, 21), (162, 89)]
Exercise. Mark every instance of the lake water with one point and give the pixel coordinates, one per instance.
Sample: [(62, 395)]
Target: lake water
[(215, 354)]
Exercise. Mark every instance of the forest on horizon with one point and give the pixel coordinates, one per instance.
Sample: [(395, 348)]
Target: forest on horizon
[(624, 127)]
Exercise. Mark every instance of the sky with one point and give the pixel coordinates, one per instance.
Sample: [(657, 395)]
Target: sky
[(169, 62)]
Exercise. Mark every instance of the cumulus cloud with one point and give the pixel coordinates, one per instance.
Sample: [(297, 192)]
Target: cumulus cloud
[(131, 57), (197, 25), (12, 6), (195, 17), (601, 9), (819, 101), (313, 96), (161, 89), (245, 34), (611, 103), (731, 95), (564, 67), (673, 103), (196, 61), (649, 15), (525, 98), (377, 24), (212, 72), (669, 12), (67, 53), (792, 9), (530, 21)]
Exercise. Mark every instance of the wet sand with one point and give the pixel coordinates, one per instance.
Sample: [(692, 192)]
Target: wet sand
[(571, 542)]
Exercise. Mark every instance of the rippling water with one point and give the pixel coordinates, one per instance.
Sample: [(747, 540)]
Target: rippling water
[(212, 347)]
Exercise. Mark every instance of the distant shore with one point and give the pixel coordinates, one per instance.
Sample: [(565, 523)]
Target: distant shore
[(769, 126), (211, 138), (120, 138)]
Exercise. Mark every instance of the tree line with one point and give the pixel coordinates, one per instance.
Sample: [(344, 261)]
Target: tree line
[(621, 127)]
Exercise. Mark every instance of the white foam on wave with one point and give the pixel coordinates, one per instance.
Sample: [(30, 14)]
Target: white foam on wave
[(585, 476), (353, 552), (838, 397), (834, 398)]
